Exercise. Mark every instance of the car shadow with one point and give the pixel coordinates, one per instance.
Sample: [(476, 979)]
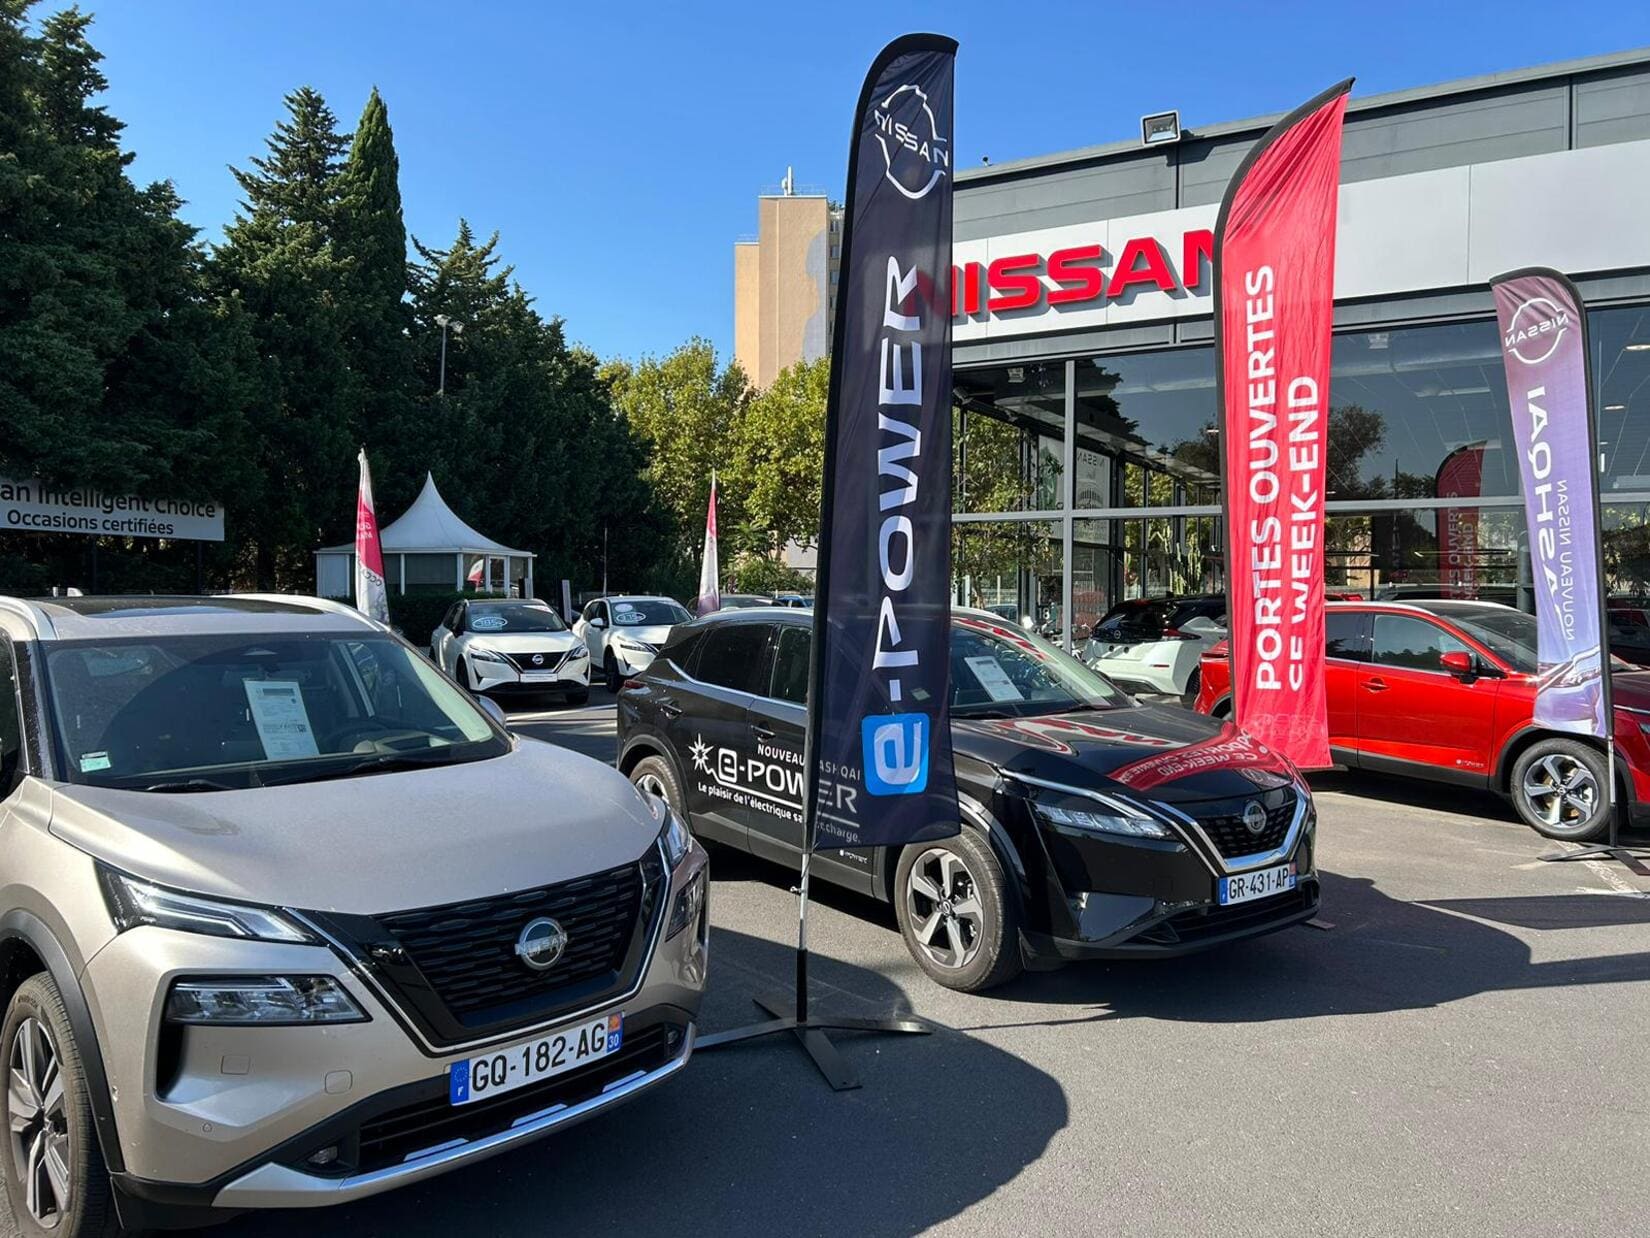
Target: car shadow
[(1369, 954), (749, 1140)]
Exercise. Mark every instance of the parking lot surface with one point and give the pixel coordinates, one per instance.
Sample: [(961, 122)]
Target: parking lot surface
[(1458, 1047)]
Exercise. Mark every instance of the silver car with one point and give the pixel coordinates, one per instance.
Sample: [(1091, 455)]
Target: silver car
[(289, 919)]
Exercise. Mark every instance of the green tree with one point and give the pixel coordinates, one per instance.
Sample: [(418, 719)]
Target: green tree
[(687, 409), (778, 459), (280, 262)]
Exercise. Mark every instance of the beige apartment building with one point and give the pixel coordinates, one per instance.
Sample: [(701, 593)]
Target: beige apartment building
[(784, 282)]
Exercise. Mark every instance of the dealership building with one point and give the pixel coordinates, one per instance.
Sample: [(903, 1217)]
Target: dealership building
[(1086, 427)]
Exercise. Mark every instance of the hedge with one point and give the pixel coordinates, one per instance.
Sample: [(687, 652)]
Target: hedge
[(416, 614)]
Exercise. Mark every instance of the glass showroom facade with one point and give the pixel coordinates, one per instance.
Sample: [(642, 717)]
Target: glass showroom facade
[(1085, 481)]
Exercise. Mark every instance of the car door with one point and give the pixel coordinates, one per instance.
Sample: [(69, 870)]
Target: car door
[(711, 734), (1413, 715), (1346, 655), (443, 635), (596, 628), (779, 723)]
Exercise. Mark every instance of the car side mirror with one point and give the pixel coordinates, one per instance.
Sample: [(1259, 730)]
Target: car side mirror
[(493, 710), (1457, 663), (598, 623)]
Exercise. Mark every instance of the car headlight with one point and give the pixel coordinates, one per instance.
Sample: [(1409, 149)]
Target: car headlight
[(237, 1001), (690, 901), (482, 653), (675, 839), (133, 902), (577, 652), (1103, 815), (633, 645)]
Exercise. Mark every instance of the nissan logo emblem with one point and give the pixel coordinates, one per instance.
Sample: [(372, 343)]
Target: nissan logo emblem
[(541, 943), (538, 659), (1254, 817)]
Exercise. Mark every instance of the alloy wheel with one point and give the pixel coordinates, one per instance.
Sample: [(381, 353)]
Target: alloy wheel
[(653, 785), (1560, 790), (39, 1123), (946, 914)]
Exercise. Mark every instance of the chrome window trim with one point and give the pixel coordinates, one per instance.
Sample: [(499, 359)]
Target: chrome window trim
[(362, 971)]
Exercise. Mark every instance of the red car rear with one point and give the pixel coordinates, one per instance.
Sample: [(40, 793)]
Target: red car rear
[(1445, 690)]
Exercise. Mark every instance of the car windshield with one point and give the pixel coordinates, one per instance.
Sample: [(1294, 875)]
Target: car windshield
[(520, 617), (999, 671), (1508, 634), (648, 613), (205, 713), (1149, 619)]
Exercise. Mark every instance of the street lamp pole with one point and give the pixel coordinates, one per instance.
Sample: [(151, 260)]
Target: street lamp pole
[(458, 329)]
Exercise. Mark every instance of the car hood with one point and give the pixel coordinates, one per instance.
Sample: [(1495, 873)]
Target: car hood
[(520, 642), (654, 634), (380, 842), (1159, 752)]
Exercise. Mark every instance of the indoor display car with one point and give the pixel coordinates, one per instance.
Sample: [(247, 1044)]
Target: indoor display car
[(511, 647), (290, 920), (623, 633), (1154, 644), (1445, 690), (1091, 826)]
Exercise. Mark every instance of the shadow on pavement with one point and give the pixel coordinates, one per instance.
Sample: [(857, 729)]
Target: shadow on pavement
[(750, 1141), (1381, 954)]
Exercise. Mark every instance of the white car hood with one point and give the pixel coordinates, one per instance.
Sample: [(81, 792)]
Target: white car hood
[(654, 635), (380, 842), (520, 642)]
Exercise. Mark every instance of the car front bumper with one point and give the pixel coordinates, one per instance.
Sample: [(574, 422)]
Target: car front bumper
[(490, 676), (215, 1120)]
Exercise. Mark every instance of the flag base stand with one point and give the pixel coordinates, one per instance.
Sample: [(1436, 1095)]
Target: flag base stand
[(1632, 857), (810, 1029)]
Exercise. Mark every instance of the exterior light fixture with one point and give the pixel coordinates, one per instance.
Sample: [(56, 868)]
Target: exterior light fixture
[(1160, 128)]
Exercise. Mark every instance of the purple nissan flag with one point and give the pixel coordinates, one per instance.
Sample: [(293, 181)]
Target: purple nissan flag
[(1544, 348)]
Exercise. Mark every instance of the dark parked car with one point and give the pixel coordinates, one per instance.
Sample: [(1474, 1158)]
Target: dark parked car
[(1092, 826)]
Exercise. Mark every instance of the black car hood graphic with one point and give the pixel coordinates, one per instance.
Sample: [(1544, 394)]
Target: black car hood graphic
[(1155, 752)]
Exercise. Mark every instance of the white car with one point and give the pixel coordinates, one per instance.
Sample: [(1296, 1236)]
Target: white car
[(623, 633), (1156, 644), (501, 647)]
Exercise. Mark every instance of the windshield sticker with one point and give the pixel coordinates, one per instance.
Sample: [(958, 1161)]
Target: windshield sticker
[(91, 762), (489, 623), (282, 721), (998, 686)]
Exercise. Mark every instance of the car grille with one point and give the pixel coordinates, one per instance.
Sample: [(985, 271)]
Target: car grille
[(394, 1137), (553, 659), (1191, 927), (1222, 821)]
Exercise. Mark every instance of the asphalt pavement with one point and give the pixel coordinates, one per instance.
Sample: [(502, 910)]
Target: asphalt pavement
[(1457, 1047)]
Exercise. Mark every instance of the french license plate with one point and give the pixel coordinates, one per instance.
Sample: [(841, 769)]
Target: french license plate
[(478, 1078), (539, 676), (1242, 887)]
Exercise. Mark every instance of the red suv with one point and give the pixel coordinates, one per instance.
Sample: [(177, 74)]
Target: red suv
[(1445, 690)]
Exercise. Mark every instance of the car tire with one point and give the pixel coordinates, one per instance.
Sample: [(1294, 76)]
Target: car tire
[(63, 1132), (968, 938), (1194, 684), (657, 776), (578, 696), (1558, 789), (610, 673)]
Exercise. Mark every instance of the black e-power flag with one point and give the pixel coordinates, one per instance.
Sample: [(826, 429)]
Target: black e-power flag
[(879, 731)]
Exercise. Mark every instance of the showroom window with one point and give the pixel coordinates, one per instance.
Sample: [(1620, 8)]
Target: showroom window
[(1008, 438)]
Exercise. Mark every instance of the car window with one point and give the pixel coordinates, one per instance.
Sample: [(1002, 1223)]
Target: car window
[(1412, 644), (516, 617), (734, 656), (450, 619), (681, 646), (999, 671), (1346, 636), (589, 612), (11, 723), (240, 711), (790, 664), (647, 613)]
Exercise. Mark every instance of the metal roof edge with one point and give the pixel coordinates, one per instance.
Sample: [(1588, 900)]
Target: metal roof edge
[(1365, 103)]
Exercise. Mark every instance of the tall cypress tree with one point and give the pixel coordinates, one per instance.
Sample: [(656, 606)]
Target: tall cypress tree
[(281, 261)]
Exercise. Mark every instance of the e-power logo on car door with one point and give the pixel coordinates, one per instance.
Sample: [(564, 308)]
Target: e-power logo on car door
[(768, 780)]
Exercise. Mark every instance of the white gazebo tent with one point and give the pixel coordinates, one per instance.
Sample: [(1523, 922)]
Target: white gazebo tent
[(429, 550)]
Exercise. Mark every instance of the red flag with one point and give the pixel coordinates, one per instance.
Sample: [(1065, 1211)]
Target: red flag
[(1274, 265), (370, 597), (476, 570), (1461, 475), (710, 593)]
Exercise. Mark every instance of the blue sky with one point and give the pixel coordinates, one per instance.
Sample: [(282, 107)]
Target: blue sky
[(619, 147)]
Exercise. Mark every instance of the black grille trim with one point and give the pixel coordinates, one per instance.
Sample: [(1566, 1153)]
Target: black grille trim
[(1192, 927), (1222, 823), (452, 971), (552, 660)]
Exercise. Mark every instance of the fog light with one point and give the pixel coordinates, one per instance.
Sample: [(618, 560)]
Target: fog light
[(689, 901), (326, 1156), (264, 1001)]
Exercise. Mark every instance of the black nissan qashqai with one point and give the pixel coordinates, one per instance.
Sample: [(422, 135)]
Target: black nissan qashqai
[(1092, 826)]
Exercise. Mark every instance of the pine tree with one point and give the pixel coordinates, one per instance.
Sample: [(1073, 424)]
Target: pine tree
[(280, 261)]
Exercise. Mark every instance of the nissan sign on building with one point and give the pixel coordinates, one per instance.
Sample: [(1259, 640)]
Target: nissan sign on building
[(1087, 440)]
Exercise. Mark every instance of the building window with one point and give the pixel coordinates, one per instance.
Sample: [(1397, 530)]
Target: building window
[(1008, 438)]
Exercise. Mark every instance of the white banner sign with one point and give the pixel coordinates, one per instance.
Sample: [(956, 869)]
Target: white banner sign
[(40, 507)]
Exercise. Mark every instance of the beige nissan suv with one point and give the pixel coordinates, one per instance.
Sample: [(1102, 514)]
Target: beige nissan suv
[(287, 919)]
